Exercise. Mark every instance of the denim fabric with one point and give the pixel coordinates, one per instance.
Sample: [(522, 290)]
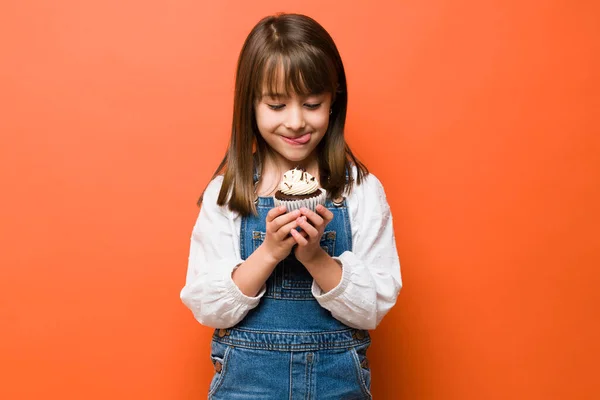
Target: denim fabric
[(289, 347)]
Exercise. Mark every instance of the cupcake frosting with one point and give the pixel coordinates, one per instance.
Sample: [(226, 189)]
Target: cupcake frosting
[(298, 182)]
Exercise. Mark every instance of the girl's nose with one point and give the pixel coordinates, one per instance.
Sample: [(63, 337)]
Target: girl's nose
[(294, 119)]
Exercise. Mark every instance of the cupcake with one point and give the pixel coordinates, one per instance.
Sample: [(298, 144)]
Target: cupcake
[(299, 189)]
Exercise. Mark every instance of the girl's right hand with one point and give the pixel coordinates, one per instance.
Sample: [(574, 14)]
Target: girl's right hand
[(278, 242)]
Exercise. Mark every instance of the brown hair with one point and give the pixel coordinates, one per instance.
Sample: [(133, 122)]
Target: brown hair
[(311, 64)]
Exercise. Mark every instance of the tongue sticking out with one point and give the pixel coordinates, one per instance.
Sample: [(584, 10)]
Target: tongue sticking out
[(302, 139)]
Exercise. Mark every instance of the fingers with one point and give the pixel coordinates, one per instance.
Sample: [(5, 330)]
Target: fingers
[(280, 220), (325, 213), (285, 230), (323, 217), (312, 216), (298, 238), (308, 228), (274, 213)]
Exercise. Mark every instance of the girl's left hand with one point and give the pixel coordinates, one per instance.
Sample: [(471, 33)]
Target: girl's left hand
[(309, 247)]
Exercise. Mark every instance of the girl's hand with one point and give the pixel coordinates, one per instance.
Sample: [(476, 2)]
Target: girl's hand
[(278, 243), (309, 241)]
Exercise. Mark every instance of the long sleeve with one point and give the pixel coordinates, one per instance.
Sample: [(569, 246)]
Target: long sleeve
[(371, 277), (209, 292)]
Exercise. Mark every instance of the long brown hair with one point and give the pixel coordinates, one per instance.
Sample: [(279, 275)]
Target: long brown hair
[(311, 64)]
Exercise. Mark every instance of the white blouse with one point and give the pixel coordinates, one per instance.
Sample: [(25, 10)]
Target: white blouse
[(370, 280)]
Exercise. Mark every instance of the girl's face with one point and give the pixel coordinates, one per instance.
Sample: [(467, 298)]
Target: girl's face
[(293, 125)]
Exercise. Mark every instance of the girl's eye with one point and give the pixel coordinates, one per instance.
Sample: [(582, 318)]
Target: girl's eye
[(276, 106), (312, 106)]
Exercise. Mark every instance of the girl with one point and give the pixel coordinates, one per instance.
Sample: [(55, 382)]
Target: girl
[(291, 294)]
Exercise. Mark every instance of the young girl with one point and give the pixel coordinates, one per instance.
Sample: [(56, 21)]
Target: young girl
[(292, 295)]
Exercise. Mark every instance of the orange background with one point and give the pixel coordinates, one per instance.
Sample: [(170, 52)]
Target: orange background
[(480, 118)]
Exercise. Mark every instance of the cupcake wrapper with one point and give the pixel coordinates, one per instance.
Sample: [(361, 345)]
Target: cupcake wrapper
[(311, 203)]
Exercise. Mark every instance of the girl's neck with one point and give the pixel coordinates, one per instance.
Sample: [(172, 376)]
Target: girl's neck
[(279, 164)]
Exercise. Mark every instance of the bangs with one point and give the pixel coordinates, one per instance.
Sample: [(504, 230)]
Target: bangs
[(303, 72)]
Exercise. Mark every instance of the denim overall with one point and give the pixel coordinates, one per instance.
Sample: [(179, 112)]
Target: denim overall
[(289, 347)]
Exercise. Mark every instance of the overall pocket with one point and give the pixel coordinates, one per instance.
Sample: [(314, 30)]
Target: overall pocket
[(290, 273), (294, 275), (363, 371), (328, 242), (219, 355)]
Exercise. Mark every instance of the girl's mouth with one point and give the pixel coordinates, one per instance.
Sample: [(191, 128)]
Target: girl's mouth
[(297, 141)]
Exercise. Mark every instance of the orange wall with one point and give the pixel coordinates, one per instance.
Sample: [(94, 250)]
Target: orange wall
[(479, 118)]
